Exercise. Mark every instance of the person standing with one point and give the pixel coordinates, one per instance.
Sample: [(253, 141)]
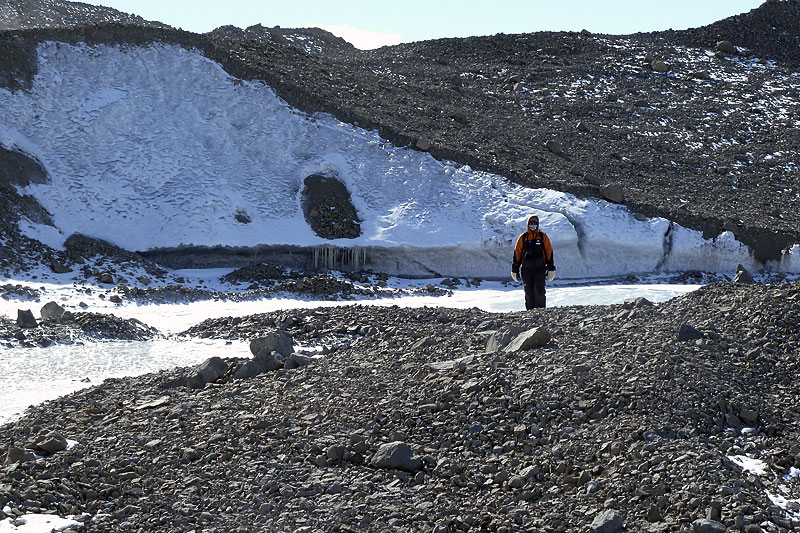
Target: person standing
[(533, 256)]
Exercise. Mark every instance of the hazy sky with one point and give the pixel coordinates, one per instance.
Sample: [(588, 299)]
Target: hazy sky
[(369, 23)]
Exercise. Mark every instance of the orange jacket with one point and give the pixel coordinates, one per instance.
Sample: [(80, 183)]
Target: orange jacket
[(519, 248)]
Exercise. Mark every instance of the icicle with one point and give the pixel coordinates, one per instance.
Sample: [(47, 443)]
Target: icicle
[(335, 258)]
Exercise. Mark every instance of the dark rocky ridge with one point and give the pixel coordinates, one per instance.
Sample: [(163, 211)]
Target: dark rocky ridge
[(698, 151), (615, 413), (309, 40), (60, 14)]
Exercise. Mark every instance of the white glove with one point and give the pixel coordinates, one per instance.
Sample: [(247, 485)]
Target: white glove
[(551, 275), (515, 276)]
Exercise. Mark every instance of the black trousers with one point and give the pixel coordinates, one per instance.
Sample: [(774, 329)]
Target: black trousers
[(533, 282)]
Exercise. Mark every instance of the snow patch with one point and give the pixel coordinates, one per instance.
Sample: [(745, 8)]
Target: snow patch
[(748, 464), (36, 523), (791, 506)]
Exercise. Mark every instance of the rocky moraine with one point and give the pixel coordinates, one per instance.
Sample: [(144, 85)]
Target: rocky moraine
[(680, 416), (571, 419)]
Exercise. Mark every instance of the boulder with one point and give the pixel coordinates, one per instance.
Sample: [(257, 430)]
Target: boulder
[(207, 372), (659, 66), (18, 455), (748, 415), (703, 525), (637, 303), (335, 453), (423, 144), (530, 473), (242, 217), (533, 338), (701, 75), (654, 514), (105, 277), (593, 179), (51, 443), (688, 333), (714, 511), (397, 455), (743, 276), (270, 361), (577, 170), (301, 360), (608, 521), (460, 117), (212, 369), (59, 268), (195, 381), (500, 339), (25, 319), (277, 341), (613, 192), (52, 311), (248, 370), (726, 47), (554, 147)]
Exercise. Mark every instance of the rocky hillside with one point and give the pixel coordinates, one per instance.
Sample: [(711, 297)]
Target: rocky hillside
[(16, 15), (593, 419), (698, 126)]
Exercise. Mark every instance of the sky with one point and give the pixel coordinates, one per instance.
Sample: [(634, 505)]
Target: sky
[(370, 24)]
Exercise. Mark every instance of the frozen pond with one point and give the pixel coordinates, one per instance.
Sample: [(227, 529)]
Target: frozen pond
[(32, 375), (490, 296)]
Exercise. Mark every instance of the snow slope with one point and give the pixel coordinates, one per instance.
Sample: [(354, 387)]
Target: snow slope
[(152, 147)]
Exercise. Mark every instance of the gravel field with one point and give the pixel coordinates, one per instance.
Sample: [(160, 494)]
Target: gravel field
[(444, 420), (680, 416)]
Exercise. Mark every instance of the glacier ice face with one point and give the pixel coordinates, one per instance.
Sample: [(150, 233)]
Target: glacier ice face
[(157, 147)]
